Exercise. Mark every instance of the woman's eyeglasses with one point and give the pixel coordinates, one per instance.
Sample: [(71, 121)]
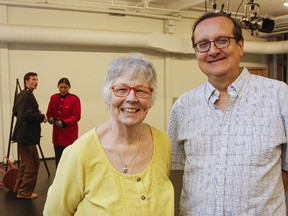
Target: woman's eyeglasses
[(122, 90)]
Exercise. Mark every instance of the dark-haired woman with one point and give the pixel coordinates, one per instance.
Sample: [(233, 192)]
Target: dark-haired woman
[(64, 112)]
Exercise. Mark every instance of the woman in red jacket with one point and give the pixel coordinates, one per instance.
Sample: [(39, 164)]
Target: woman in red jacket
[(64, 112)]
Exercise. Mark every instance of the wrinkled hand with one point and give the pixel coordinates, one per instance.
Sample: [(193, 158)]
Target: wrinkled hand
[(51, 120), (60, 124)]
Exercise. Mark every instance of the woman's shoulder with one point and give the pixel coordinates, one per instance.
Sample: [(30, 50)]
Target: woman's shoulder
[(55, 96), (156, 130), (158, 133), (73, 96), (86, 141)]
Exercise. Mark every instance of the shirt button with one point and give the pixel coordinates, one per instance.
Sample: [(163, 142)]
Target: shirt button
[(138, 179), (143, 197)]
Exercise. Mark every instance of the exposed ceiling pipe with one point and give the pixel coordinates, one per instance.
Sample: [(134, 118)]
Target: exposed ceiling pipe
[(108, 8), (90, 37), (144, 10), (275, 47), (146, 3), (183, 4)]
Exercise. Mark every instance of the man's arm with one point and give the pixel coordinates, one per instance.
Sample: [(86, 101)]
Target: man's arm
[(285, 179)]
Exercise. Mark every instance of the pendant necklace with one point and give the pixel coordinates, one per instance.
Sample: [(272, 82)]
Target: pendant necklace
[(125, 166)]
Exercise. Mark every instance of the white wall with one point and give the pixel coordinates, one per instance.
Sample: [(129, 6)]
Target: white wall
[(85, 66)]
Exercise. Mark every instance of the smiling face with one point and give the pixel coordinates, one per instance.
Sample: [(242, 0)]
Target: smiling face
[(130, 110), (218, 63)]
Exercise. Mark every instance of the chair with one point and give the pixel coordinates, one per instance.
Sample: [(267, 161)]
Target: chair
[(10, 174)]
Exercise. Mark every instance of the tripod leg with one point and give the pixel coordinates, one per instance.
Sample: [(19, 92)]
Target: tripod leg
[(47, 169), (19, 161), (18, 87)]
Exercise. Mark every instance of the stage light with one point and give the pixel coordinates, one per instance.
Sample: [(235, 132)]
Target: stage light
[(258, 23), (255, 22)]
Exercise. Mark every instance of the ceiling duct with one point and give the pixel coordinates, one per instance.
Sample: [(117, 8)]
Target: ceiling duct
[(89, 37)]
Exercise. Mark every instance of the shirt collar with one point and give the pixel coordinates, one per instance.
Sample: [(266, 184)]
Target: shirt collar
[(29, 90), (240, 82), (235, 88), (63, 96)]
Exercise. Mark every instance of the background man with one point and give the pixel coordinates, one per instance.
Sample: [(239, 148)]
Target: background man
[(27, 134)]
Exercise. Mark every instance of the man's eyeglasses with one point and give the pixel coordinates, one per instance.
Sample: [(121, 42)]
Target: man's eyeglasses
[(122, 90), (220, 43)]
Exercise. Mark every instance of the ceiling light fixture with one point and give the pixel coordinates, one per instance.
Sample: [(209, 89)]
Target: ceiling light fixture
[(285, 3), (254, 22)]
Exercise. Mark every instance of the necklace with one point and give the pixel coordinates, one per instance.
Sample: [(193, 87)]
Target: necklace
[(125, 166)]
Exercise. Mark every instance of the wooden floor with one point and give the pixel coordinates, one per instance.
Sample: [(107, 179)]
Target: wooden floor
[(11, 206)]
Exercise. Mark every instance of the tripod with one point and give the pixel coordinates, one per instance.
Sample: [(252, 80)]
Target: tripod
[(18, 88)]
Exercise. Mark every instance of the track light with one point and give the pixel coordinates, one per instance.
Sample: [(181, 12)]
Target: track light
[(258, 23), (254, 22)]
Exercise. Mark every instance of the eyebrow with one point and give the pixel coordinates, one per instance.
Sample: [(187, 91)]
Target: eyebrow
[(142, 85)]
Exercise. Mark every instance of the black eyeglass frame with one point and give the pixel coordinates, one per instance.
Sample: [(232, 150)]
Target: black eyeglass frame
[(209, 44)]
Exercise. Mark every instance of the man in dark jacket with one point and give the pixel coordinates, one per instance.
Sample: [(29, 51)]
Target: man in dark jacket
[(27, 134)]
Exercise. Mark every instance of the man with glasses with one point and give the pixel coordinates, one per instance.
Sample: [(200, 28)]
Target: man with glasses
[(229, 135)]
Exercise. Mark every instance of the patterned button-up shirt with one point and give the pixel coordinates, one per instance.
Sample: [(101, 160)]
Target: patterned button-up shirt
[(232, 160)]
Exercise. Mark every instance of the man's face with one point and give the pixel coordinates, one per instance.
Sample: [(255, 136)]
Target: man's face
[(32, 82), (218, 63)]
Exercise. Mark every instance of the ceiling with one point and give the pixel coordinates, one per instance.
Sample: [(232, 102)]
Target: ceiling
[(267, 7), (175, 9)]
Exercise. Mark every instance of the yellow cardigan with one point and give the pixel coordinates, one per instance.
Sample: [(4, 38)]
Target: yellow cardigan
[(87, 184)]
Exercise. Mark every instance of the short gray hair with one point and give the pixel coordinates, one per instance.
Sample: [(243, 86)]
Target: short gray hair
[(136, 64)]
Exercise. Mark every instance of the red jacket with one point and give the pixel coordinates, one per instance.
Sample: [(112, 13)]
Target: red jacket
[(68, 110)]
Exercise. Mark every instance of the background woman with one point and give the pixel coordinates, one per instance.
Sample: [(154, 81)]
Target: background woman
[(64, 112)]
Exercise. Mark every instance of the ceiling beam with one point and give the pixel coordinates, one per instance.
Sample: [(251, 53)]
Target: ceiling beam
[(183, 4)]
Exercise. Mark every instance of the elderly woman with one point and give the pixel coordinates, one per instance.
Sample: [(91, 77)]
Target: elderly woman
[(122, 166)]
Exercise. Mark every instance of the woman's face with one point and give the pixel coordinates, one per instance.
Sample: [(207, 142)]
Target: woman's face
[(63, 88), (130, 110)]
